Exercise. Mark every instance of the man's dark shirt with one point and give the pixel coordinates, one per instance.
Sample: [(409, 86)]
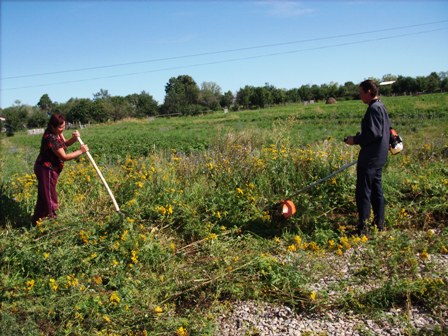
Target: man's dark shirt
[(374, 136)]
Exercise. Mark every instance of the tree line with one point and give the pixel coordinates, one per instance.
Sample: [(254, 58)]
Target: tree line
[(183, 96)]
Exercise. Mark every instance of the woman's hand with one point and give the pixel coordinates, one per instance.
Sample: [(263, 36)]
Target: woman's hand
[(76, 134), (84, 148)]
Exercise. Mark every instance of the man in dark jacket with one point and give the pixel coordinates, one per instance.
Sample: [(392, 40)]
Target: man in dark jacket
[(374, 142)]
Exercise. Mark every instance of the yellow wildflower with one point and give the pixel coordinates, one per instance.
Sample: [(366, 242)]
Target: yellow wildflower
[(106, 318), (364, 239), (312, 296), (53, 285), (134, 257), (131, 202), (124, 235), (356, 240), (331, 243), (181, 331), (339, 252), (97, 279), (161, 210), (292, 248), (239, 191), (46, 255), (72, 281), (114, 298), (345, 243), (83, 236), (29, 285), (298, 239), (212, 236), (158, 310), (313, 246), (39, 222), (424, 255)]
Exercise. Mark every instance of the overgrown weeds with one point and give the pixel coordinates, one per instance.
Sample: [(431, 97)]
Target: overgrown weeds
[(195, 233)]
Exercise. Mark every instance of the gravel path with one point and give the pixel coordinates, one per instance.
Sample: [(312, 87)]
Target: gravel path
[(251, 318), (261, 319)]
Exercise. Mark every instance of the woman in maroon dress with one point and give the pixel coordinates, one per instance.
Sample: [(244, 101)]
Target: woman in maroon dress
[(49, 165)]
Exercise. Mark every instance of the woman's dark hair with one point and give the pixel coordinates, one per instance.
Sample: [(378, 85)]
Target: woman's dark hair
[(56, 120), (370, 85)]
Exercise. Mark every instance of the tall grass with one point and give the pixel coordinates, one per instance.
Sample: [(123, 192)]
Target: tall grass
[(196, 232)]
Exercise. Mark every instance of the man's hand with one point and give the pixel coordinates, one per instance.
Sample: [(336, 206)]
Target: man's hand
[(350, 140)]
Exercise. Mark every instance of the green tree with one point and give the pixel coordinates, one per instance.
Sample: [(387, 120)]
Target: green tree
[(276, 96), (45, 103), (318, 92), (444, 85), (37, 119), (292, 96), (81, 110), (227, 99), (101, 95), (17, 116), (351, 90), (305, 92), (433, 82), (405, 85), (142, 105), (261, 97), (100, 110), (120, 108), (244, 96), (181, 96), (210, 94), (421, 84)]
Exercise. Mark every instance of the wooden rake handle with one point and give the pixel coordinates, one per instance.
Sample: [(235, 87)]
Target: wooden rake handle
[(101, 177)]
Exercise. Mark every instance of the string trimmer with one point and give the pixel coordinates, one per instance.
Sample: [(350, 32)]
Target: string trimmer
[(286, 208)]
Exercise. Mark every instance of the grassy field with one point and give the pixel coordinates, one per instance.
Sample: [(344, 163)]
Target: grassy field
[(196, 233)]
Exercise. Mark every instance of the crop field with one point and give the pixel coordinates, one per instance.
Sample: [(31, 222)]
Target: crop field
[(196, 234)]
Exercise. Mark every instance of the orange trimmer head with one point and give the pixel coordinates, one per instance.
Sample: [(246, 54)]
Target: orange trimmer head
[(285, 209)]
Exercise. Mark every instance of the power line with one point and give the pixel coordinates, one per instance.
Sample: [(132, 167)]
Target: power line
[(222, 51), (227, 60)]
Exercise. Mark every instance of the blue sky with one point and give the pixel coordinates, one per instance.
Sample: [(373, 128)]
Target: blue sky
[(76, 48)]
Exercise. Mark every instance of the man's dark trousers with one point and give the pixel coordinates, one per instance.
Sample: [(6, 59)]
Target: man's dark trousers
[(369, 195)]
